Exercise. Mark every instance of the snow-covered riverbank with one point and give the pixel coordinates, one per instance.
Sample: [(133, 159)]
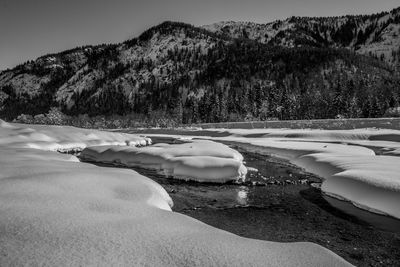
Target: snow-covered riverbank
[(345, 159), (58, 211), (198, 160)]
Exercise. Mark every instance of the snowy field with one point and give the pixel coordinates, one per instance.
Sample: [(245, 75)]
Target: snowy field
[(58, 211)]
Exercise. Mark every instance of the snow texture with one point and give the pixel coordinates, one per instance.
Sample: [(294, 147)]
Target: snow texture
[(56, 211), (62, 137), (369, 182), (198, 160)]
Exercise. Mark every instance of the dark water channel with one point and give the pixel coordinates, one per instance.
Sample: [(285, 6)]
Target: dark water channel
[(280, 202)]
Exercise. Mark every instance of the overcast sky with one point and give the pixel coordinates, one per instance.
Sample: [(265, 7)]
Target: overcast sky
[(31, 28)]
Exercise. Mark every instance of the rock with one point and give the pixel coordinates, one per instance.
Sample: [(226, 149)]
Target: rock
[(303, 181), (316, 185)]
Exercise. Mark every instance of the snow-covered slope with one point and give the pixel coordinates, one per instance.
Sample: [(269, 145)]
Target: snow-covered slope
[(59, 212), (154, 49), (376, 34)]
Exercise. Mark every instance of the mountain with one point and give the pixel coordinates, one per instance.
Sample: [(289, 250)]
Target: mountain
[(374, 35), (300, 68)]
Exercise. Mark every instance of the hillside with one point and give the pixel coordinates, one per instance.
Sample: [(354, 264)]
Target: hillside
[(300, 68), (374, 35)]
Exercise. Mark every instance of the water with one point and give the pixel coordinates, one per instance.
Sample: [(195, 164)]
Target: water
[(379, 221)]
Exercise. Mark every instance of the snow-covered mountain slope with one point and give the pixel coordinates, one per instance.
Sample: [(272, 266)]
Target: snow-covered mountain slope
[(130, 58), (377, 35)]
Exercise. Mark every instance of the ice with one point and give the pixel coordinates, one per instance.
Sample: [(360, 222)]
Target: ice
[(198, 160), (57, 212)]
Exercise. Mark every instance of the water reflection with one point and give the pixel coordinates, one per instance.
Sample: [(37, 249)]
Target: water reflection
[(242, 195), (379, 221)]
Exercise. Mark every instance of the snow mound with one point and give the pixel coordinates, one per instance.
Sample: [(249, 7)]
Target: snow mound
[(58, 212), (198, 160), (369, 182), (205, 169), (63, 137)]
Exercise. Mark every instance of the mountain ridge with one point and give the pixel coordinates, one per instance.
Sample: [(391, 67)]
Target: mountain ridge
[(196, 74), (359, 30)]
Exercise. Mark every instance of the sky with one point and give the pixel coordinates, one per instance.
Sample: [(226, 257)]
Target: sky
[(32, 28)]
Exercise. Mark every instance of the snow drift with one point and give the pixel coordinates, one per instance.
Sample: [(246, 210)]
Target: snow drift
[(62, 137), (369, 182), (199, 160), (59, 212)]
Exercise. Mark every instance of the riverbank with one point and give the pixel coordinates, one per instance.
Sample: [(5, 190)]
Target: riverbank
[(280, 203), (299, 212)]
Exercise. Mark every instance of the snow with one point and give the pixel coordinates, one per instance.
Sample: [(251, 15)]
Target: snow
[(351, 171), (198, 160), (382, 41), (62, 137), (158, 46), (205, 169), (343, 158), (369, 182), (59, 212), (81, 81), (24, 83)]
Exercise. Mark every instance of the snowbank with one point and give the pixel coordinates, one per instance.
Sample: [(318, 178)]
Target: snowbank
[(371, 134), (350, 169), (369, 182), (199, 160), (291, 150), (352, 173), (63, 137), (59, 212), (385, 139), (343, 158)]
